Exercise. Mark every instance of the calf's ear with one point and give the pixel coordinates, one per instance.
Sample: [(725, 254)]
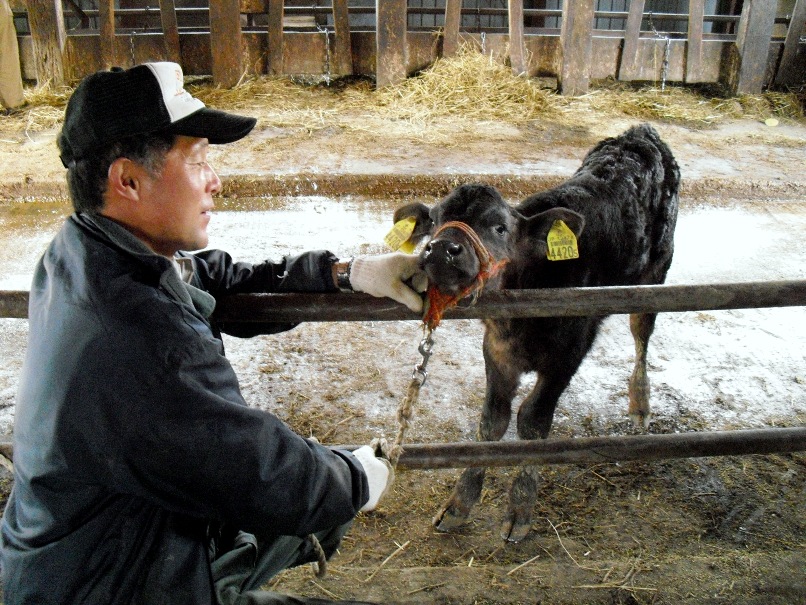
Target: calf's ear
[(536, 228), (422, 222)]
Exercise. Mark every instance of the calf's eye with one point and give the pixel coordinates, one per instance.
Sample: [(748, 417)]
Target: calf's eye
[(500, 229)]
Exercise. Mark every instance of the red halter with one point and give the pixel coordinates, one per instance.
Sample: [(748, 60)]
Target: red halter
[(437, 301)]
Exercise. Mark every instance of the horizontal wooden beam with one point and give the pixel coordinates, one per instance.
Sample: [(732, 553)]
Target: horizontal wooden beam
[(595, 450), (556, 302), (589, 450), (552, 302)]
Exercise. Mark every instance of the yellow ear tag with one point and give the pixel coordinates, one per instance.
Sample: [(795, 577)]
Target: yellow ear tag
[(562, 242), (397, 238)]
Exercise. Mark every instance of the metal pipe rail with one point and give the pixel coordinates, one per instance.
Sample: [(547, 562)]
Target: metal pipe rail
[(553, 302), (588, 450)]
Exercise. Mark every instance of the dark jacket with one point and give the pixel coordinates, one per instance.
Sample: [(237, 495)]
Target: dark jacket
[(132, 442)]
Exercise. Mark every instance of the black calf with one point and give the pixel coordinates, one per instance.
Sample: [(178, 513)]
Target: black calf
[(622, 206)]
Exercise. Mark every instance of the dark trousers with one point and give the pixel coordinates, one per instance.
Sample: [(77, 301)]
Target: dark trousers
[(239, 573)]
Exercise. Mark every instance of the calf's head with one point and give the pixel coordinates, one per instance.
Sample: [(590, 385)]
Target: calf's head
[(452, 260)]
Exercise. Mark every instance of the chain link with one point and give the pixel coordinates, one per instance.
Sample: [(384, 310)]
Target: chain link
[(664, 70), (425, 347), (323, 30)]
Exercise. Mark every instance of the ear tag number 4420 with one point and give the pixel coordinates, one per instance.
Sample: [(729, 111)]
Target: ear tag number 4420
[(562, 243), (398, 237)]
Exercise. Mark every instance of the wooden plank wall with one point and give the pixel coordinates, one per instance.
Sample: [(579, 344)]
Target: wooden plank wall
[(748, 64)]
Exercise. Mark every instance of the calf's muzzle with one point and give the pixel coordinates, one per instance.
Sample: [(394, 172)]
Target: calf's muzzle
[(449, 264)]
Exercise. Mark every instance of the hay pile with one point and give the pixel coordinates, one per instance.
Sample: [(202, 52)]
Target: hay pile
[(472, 86), (44, 109), (687, 107)]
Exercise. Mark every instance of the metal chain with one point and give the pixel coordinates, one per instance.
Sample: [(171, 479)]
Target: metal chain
[(664, 70), (404, 414), (406, 407), (323, 30)]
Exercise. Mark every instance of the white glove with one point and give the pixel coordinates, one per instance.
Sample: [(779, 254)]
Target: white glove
[(379, 475), (384, 275)]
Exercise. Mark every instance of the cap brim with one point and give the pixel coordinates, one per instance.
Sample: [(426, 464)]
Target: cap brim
[(216, 126)]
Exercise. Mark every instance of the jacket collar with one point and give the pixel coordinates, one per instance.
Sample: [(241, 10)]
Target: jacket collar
[(169, 280)]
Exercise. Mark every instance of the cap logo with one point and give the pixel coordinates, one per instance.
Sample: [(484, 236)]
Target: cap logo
[(180, 83), (178, 101)]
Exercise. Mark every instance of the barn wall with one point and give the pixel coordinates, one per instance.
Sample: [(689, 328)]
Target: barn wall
[(304, 50)]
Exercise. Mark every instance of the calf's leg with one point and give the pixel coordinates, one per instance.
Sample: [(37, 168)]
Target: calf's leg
[(502, 382), (536, 414), (641, 326), (535, 417)]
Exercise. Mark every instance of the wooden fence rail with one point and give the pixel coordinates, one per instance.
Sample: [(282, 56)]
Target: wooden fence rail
[(588, 450), (574, 54), (554, 302), (596, 450)]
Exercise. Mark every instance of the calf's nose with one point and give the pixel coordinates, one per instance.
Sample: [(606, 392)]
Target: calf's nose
[(443, 250)]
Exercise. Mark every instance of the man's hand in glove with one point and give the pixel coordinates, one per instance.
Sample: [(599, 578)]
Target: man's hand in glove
[(379, 475), (387, 274)]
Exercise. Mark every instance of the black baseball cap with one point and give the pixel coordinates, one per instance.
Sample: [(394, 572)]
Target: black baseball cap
[(111, 105)]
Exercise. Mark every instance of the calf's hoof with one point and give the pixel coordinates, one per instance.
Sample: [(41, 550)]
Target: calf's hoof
[(516, 527), (641, 419), (450, 517)]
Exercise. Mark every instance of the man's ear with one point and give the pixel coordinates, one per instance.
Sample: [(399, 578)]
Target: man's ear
[(124, 179)]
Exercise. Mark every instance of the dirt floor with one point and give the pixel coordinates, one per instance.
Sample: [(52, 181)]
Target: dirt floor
[(715, 530)]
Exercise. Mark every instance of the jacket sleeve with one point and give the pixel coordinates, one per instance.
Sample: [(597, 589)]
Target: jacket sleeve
[(218, 274), (185, 439), (305, 272)]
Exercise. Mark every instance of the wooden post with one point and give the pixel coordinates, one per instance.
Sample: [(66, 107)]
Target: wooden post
[(46, 20), (516, 55), (225, 42), (694, 44), (788, 73), (343, 50), (453, 20), (275, 26), (170, 31), (391, 53), (629, 53), (106, 17), (749, 68), (576, 41)]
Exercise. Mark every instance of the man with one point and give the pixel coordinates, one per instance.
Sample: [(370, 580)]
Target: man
[(141, 476), (11, 96)]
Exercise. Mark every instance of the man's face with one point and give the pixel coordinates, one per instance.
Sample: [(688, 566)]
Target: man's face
[(177, 203)]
